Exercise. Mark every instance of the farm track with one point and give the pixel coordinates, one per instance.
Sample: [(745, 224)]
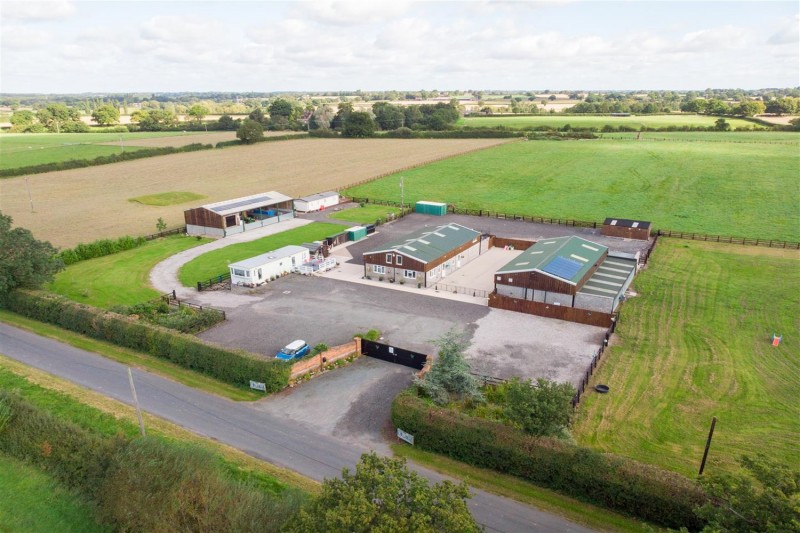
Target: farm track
[(82, 205)]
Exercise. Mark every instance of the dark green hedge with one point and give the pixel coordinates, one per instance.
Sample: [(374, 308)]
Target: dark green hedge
[(100, 248), (640, 490), (102, 160), (234, 367)]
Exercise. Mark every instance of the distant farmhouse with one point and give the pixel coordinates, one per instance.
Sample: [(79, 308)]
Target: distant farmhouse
[(567, 272), (425, 256)]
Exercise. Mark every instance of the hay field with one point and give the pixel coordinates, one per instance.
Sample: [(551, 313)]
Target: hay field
[(82, 205), (184, 139), (591, 121)]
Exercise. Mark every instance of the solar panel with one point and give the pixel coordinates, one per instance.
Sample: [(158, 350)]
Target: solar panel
[(231, 205), (562, 267)]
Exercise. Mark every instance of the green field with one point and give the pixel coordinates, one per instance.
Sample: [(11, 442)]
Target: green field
[(367, 214), (216, 262), (766, 137), (558, 120), (738, 189), (694, 344), (26, 149), (119, 279), (167, 198), (32, 501)]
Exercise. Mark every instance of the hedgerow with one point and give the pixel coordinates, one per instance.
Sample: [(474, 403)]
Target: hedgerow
[(100, 248), (610, 481), (230, 366)]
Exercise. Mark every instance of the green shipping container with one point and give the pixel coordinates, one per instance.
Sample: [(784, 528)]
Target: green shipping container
[(356, 233), (438, 209)]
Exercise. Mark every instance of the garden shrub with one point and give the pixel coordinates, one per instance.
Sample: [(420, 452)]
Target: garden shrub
[(230, 366), (613, 482)]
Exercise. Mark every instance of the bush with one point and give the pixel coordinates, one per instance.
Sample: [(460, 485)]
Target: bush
[(372, 335), (100, 248), (181, 318), (229, 366), (613, 482)]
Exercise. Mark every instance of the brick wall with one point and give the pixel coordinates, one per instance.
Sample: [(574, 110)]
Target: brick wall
[(317, 362)]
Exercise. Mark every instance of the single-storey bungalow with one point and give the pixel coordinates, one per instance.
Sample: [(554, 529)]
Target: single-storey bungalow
[(268, 266), (570, 272), (425, 256), (626, 228), (239, 214), (316, 202)]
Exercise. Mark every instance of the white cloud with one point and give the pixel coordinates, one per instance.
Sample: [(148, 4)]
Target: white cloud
[(176, 29), (725, 37), (33, 10), (353, 12), (22, 38), (788, 33)]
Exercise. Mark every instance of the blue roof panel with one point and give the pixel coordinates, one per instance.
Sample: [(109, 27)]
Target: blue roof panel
[(562, 267)]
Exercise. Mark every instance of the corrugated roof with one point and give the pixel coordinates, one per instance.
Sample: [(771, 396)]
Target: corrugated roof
[(236, 205), (428, 244), (269, 257), (609, 278), (318, 196), (626, 223), (565, 258)]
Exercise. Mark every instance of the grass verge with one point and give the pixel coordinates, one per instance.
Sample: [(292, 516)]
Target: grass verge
[(133, 359), (696, 343), (524, 492), (167, 198), (367, 214), (216, 262), (31, 500), (95, 411), (121, 278)]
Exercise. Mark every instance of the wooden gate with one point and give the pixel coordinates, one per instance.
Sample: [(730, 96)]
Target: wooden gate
[(393, 354)]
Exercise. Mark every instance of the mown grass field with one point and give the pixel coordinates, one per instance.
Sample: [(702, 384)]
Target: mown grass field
[(119, 279), (216, 262), (767, 137), (694, 344), (25, 149), (367, 214), (32, 501), (738, 189), (167, 198), (577, 121)]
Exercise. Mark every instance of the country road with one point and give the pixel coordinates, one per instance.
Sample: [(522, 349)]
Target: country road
[(240, 425)]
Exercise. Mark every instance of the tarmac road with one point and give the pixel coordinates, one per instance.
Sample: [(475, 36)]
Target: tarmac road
[(257, 433)]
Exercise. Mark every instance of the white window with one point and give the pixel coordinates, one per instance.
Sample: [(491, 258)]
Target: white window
[(399, 259), (238, 272), (410, 274), (379, 269), (389, 259)]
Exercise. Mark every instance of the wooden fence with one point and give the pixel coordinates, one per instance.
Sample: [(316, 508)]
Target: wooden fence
[(207, 284), (594, 362), (477, 293), (745, 241), (175, 231), (561, 312), (172, 299)]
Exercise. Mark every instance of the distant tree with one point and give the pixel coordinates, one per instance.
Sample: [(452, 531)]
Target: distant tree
[(22, 120), (449, 376), (722, 125), (383, 495), (250, 131), (695, 105), (795, 122), (281, 108), (55, 116), (763, 498), (198, 112), (542, 408), (388, 116), (358, 124), (258, 115), (717, 107), (344, 110), (106, 114), (322, 117), (226, 123), (24, 261), (161, 225), (153, 119), (749, 108), (552, 97), (781, 106)]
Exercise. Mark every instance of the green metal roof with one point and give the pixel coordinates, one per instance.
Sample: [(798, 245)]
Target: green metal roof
[(566, 258), (428, 244), (609, 279)]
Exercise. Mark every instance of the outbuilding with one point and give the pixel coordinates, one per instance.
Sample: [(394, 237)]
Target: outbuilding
[(269, 266), (239, 214), (316, 202), (425, 256), (626, 228)]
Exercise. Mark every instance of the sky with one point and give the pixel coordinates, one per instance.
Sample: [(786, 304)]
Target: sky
[(159, 46)]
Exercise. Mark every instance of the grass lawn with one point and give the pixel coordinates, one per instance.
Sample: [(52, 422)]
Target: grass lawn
[(216, 262), (122, 278), (558, 120), (766, 137), (168, 198), (100, 413), (737, 189), (32, 501), (25, 149), (491, 481), (367, 214), (694, 344)]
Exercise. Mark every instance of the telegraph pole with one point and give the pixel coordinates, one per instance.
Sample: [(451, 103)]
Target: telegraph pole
[(708, 444)]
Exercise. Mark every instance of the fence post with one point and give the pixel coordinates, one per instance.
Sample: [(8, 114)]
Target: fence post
[(199, 286)]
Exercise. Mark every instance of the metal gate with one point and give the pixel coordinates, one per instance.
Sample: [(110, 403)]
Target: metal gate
[(393, 354)]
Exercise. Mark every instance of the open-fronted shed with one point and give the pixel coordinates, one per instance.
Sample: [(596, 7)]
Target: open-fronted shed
[(238, 214)]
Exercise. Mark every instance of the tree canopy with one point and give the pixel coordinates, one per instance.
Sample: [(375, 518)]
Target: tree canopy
[(358, 124), (450, 375), (383, 495), (106, 114), (250, 131), (24, 261), (198, 112), (542, 408)]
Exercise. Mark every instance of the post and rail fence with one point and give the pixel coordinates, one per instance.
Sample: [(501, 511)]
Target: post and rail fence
[(477, 293), (172, 299), (584, 383), (210, 282)]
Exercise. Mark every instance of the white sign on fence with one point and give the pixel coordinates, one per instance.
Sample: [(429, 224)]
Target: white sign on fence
[(408, 437), (258, 386)]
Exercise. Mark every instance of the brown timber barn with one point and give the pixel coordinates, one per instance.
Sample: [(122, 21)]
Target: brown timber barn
[(239, 214), (627, 229)]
